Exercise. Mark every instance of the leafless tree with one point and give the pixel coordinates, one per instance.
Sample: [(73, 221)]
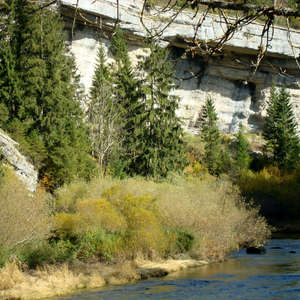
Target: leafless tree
[(103, 115)]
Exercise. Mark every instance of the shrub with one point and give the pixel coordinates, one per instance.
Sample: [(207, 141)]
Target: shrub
[(99, 213), (23, 215), (36, 254), (205, 216), (282, 187), (68, 195), (98, 244)]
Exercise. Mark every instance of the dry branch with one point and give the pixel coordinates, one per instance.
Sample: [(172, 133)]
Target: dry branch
[(253, 9)]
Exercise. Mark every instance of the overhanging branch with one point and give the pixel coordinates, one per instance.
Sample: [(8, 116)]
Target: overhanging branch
[(276, 11)]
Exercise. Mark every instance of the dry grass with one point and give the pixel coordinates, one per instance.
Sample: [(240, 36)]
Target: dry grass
[(10, 276), (45, 282), (50, 281)]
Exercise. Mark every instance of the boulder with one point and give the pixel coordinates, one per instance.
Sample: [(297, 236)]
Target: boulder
[(256, 250)]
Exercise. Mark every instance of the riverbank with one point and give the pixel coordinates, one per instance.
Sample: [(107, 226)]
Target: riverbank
[(51, 281), (111, 231)]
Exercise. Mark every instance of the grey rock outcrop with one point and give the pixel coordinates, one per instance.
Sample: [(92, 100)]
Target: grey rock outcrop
[(24, 170), (240, 97)]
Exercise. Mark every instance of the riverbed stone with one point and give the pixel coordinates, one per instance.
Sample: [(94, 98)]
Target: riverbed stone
[(256, 250)]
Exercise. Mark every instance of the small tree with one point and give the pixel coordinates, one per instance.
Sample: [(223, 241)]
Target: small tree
[(280, 130), (103, 113), (162, 132), (241, 150), (211, 137), (127, 89)]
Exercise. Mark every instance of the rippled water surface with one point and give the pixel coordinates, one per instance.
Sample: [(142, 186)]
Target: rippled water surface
[(274, 275)]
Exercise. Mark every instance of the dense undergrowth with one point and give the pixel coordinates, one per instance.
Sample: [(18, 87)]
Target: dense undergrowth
[(282, 188), (112, 220)]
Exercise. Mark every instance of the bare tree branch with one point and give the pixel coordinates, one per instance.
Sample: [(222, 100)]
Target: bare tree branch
[(248, 8)]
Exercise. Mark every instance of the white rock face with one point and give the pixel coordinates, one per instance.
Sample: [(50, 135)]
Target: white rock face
[(240, 97), (23, 168)]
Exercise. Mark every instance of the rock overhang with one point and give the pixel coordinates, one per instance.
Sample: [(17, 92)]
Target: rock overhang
[(181, 31)]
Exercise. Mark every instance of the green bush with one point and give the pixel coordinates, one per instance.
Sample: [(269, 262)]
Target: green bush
[(36, 254), (5, 254), (184, 242), (98, 244)]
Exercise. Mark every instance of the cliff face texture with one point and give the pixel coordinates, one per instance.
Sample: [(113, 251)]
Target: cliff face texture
[(14, 159), (240, 97)]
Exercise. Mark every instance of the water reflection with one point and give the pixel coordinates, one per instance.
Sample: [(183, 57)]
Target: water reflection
[(274, 275)]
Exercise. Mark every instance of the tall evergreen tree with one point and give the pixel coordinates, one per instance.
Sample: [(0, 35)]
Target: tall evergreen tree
[(163, 147), (103, 113), (241, 150), (211, 137), (10, 91), (132, 110), (48, 109), (280, 130)]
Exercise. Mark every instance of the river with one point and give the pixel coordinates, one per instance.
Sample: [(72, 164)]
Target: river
[(271, 276)]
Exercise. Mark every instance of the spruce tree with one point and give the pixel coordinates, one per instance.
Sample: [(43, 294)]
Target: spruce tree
[(103, 113), (211, 137), (10, 91), (280, 130), (131, 109), (48, 109), (163, 147)]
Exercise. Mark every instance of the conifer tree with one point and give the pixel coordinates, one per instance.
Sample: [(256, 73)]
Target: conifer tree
[(48, 109), (211, 137), (103, 114), (241, 148), (10, 91), (280, 130), (131, 109), (163, 147)]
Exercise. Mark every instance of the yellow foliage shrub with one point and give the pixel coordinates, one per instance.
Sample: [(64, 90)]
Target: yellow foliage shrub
[(67, 224), (68, 195), (145, 235), (99, 213), (284, 188), (149, 217)]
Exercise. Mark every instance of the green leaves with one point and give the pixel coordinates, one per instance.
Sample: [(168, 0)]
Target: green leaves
[(280, 130), (211, 137), (163, 135)]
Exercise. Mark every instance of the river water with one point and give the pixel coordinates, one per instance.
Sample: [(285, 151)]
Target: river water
[(274, 275)]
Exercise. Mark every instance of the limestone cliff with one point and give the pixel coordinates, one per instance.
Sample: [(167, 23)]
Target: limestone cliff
[(240, 98), (14, 159)]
